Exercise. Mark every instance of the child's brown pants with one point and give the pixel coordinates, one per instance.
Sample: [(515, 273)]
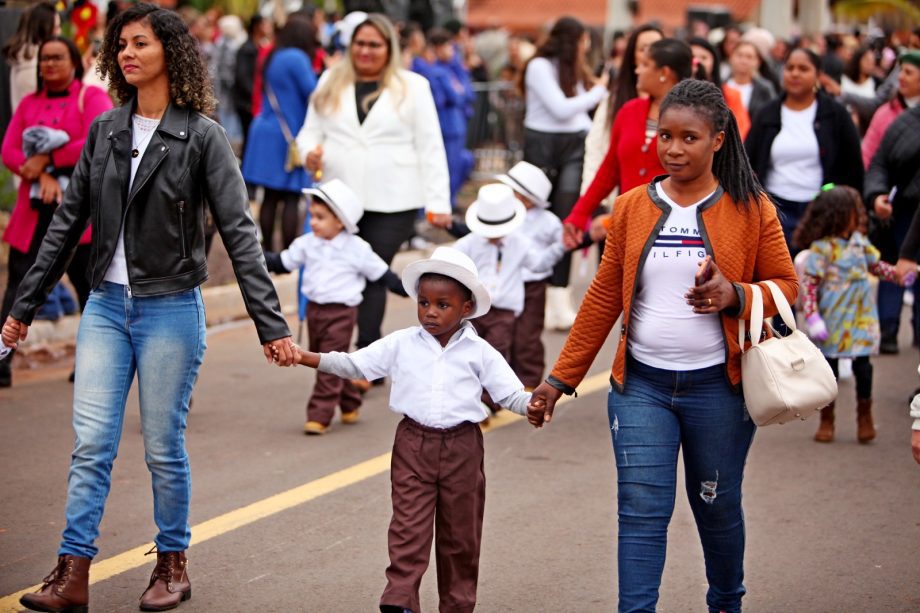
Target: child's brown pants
[(496, 328), (438, 482), (527, 351), (330, 327)]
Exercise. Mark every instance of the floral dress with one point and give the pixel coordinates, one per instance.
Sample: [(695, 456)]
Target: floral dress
[(837, 281)]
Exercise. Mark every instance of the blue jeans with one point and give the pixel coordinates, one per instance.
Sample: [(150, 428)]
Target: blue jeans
[(660, 412), (162, 339)]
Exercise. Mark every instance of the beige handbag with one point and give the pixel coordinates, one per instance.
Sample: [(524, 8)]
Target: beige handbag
[(293, 161), (783, 378)]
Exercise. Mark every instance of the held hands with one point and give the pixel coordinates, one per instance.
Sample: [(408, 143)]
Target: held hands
[(817, 330), (571, 236), (14, 331), (440, 220), (915, 444), (541, 405), (281, 351), (906, 271), (712, 292)]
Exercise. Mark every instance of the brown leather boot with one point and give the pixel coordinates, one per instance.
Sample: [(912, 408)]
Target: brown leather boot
[(865, 428), (825, 433), (64, 590), (169, 584)]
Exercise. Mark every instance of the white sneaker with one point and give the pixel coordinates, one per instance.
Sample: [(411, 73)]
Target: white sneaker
[(845, 369)]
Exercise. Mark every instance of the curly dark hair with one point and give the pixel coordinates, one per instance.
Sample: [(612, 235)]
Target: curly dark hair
[(189, 84), (830, 214)]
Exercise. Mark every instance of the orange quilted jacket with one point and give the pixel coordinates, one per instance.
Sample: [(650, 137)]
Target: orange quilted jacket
[(748, 246)]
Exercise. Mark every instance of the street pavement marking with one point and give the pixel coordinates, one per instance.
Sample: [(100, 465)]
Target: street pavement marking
[(237, 518)]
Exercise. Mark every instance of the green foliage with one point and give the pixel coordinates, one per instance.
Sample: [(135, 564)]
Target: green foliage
[(7, 191)]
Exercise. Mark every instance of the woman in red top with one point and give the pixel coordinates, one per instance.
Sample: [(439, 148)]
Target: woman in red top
[(632, 158)]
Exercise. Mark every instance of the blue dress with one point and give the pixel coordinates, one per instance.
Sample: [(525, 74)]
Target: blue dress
[(291, 77), (846, 300)]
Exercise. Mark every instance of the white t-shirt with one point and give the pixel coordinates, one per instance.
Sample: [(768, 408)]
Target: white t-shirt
[(745, 91), (143, 131), (796, 172), (866, 89), (664, 332)]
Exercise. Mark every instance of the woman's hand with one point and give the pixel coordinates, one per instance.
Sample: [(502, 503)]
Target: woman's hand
[(571, 236), (598, 231), (49, 190), (280, 351), (14, 331), (314, 161), (882, 207), (34, 166), (541, 405), (906, 270), (712, 295)]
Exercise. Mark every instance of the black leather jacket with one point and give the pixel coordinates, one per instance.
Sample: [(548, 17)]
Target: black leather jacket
[(187, 166)]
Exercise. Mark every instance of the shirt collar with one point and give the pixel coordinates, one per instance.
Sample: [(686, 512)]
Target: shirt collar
[(338, 241), (465, 331)]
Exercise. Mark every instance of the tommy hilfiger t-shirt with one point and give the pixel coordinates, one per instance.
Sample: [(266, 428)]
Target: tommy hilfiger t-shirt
[(664, 332)]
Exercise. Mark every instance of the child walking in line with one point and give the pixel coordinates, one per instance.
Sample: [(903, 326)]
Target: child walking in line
[(544, 230), (438, 371), (502, 254), (838, 301), (337, 266)]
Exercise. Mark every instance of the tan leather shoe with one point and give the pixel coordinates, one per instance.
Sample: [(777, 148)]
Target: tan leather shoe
[(64, 590), (351, 417), (865, 426), (314, 428), (169, 583), (825, 433)]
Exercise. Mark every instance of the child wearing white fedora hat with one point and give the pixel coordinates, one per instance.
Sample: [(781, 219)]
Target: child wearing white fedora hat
[(544, 229), (337, 265), (502, 254), (438, 371)]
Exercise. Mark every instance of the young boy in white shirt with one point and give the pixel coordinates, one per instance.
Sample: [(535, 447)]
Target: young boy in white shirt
[(502, 253), (337, 266), (438, 371), (544, 229)]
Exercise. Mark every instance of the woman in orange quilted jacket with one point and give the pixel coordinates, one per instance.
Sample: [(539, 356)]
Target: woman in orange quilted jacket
[(681, 256)]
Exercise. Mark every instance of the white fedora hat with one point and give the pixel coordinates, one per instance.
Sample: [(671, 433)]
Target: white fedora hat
[(451, 263), (530, 182), (495, 212), (342, 200)]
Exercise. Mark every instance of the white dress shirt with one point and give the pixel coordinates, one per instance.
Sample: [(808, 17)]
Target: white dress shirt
[(439, 387), (548, 108), (544, 230), (335, 270), (501, 266)]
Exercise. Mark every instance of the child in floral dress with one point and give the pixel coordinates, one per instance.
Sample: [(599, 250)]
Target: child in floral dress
[(838, 297)]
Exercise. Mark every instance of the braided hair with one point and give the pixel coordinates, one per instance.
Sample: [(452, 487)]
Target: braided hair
[(730, 165)]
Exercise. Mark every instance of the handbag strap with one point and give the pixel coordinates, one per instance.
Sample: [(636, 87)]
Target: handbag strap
[(277, 109), (757, 320)]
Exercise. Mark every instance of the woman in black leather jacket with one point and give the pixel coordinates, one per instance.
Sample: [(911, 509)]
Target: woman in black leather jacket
[(148, 172)]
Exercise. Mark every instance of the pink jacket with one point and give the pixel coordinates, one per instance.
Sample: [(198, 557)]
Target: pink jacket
[(61, 113), (883, 117)]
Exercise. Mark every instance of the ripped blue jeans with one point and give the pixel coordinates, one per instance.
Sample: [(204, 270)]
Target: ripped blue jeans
[(659, 413)]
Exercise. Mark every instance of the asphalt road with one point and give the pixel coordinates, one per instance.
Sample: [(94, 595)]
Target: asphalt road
[(286, 522)]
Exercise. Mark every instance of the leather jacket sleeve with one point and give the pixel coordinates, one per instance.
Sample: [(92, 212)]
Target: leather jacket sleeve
[(225, 193), (61, 240)]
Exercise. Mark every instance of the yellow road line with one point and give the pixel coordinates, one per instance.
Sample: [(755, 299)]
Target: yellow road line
[(237, 518)]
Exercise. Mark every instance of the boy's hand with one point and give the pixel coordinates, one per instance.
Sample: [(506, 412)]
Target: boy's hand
[(280, 351), (541, 405), (817, 329)]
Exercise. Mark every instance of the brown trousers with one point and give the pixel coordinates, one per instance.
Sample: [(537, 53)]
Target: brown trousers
[(527, 352), (330, 327), (438, 482), (497, 328)]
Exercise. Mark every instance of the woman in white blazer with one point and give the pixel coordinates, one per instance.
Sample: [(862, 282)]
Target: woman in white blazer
[(374, 126)]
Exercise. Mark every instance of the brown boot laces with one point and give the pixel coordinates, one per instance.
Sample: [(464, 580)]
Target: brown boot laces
[(166, 566), (59, 576)]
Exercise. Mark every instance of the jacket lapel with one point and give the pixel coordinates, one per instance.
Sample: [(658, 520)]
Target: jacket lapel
[(174, 124), (120, 140)]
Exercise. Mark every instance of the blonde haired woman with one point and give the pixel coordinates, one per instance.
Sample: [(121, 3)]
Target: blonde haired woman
[(374, 126)]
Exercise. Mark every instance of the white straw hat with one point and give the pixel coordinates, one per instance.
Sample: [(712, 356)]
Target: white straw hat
[(342, 200), (451, 263), (496, 212), (530, 182)]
